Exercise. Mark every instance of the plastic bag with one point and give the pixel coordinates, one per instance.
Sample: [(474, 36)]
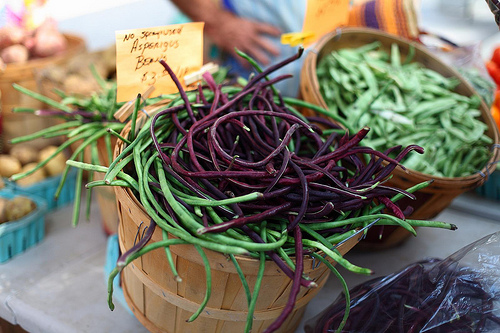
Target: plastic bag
[(458, 294), (466, 59)]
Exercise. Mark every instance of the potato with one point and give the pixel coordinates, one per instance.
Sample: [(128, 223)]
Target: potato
[(11, 35), (18, 207), (15, 54), (24, 153), (3, 205), (48, 41), (34, 178), (56, 165), (9, 165)]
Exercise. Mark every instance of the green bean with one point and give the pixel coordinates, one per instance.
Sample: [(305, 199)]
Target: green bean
[(231, 232), (316, 235), (19, 109), (258, 283), (116, 182), (86, 142), (132, 257), (338, 258), (78, 195), (410, 55), (416, 100), (337, 238), (318, 109), (395, 56), (286, 258), (108, 145), (128, 149), (400, 196), (41, 164), (170, 259), (256, 66), (190, 222), (42, 98), (134, 117), (44, 132), (182, 214), (182, 234), (344, 64), (116, 134), (383, 218), (111, 174), (243, 280), (208, 280), (90, 127), (191, 200), (368, 47), (97, 168), (94, 157), (344, 287)]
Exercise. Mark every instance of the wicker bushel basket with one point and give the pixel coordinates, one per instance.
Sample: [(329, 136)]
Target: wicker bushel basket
[(163, 305), (25, 74), (433, 199)]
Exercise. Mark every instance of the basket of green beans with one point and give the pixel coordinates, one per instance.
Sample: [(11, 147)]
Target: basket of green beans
[(234, 207), (86, 128), (405, 95)]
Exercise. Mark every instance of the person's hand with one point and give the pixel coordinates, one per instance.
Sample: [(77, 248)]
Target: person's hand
[(230, 32)]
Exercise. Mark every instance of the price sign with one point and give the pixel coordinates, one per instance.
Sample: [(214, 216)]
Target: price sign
[(324, 16), (138, 52)]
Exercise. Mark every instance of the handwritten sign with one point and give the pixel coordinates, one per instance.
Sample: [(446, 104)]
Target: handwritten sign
[(138, 52), (324, 16)]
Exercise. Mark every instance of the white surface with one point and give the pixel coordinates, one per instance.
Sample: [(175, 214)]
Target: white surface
[(68, 9), (98, 28), (59, 285)]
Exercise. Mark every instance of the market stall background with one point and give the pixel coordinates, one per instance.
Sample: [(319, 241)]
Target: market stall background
[(60, 286)]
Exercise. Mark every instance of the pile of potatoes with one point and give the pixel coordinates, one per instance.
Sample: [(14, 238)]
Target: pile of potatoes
[(23, 157), (15, 208), (18, 44)]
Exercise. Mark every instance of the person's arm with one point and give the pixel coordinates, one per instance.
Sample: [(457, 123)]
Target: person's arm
[(229, 31)]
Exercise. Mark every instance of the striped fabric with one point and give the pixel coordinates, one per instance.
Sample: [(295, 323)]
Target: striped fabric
[(397, 17)]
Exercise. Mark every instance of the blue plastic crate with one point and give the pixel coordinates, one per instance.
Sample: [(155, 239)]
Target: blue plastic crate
[(491, 188), (19, 235), (47, 189)]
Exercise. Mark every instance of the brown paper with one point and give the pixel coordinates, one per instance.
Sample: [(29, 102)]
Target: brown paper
[(138, 52)]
